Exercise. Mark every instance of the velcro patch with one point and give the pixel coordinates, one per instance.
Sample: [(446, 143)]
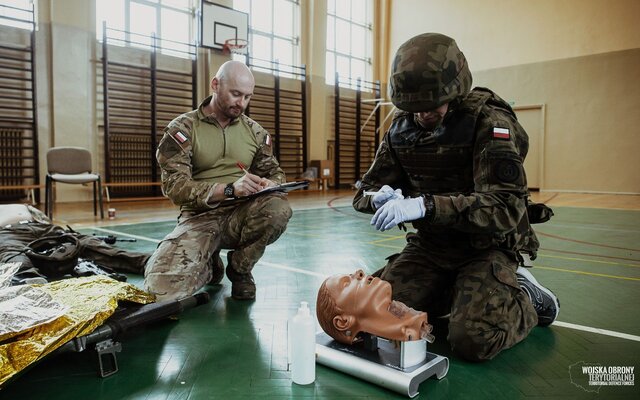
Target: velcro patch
[(507, 171), (180, 137), (501, 133)]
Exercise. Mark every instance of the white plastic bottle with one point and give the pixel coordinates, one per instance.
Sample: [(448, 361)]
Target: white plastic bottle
[(302, 336)]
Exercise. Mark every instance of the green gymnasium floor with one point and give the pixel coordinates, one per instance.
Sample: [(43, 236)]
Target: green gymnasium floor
[(237, 350)]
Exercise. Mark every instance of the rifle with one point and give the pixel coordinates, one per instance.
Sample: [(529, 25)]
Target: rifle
[(103, 337)]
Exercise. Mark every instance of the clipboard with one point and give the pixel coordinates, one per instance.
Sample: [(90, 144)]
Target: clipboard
[(282, 188)]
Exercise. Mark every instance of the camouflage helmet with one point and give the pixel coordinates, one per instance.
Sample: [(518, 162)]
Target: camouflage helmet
[(428, 71), (54, 256)]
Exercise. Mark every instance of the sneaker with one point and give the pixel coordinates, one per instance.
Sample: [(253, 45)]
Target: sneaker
[(545, 303), (217, 269), (242, 285)]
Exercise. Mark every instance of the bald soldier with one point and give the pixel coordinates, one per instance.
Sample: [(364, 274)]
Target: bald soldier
[(451, 163), (199, 155)]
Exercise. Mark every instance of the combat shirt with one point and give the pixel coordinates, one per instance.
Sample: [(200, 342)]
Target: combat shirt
[(196, 154)]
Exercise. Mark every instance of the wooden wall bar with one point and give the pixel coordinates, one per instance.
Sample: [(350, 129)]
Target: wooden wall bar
[(356, 121), (282, 112), (19, 165), (139, 101)]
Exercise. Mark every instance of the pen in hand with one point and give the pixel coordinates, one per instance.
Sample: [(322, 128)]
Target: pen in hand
[(242, 167)]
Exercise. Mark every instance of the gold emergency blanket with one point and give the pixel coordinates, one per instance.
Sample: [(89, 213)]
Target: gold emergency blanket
[(89, 301)]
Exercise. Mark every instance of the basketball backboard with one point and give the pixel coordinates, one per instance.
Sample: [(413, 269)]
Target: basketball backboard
[(219, 24)]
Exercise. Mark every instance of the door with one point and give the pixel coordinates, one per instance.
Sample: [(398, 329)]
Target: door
[(532, 120)]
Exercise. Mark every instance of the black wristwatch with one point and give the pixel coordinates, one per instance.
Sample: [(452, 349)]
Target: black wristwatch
[(228, 191)]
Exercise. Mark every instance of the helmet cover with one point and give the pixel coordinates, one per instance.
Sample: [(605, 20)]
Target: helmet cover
[(428, 71)]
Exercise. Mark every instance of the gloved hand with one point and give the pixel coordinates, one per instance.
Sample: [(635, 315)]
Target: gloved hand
[(385, 194), (397, 211)]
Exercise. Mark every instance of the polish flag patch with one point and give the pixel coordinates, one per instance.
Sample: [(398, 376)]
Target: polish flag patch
[(180, 137), (501, 133), (267, 141)]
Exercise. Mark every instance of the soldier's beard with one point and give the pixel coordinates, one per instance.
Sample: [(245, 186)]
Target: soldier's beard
[(233, 112)]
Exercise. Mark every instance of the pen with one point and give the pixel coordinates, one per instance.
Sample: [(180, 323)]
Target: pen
[(242, 167)]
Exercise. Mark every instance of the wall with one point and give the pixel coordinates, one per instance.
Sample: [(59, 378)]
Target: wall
[(313, 41), (579, 58), (592, 132), (65, 54)]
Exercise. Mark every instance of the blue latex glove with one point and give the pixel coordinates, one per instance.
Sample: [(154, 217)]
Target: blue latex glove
[(397, 211), (385, 194)]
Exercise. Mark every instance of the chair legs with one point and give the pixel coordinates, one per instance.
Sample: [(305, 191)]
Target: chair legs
[(97, 197), (99, 191), (48, 196), (95, 200)]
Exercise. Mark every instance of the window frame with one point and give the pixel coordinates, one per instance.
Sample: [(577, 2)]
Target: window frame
[(15, 16), (159, 6), (273, 36), (349, 81)]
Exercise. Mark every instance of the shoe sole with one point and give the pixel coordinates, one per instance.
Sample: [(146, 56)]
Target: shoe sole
[(529, 276), (244, 297)]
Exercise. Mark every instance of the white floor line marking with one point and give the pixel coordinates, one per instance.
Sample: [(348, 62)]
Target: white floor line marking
[(125, 234), (597, 330), (319, 275), (292, 269)]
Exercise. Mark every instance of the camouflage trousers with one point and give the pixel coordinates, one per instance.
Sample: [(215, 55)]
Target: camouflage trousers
[(489, 312), (180, 265)]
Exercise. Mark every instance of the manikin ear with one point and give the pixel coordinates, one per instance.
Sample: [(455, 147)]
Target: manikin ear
[(343, 322)]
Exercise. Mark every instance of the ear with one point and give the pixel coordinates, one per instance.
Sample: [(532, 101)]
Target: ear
[(214, 84), (343, 322)]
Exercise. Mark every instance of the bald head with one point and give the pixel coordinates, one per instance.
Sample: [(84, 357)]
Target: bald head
[(232, 89), (234, 70)]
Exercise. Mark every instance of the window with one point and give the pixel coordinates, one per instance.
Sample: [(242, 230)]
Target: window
[(274, 31), (16, 13), (349, 40), (170, 20)]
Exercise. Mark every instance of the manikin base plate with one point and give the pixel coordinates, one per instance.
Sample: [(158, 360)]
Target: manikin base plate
[(380, 366)]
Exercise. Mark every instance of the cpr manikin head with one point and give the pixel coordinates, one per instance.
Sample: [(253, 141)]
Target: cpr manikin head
[(349, 305)]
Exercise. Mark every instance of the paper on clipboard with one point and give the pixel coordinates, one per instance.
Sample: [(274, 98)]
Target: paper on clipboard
[(284, 188)]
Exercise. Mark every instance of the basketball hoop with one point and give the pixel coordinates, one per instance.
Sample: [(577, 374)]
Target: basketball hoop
[(235, 46)]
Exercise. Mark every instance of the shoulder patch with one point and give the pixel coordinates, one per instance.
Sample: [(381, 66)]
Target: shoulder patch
[(507, 170), (169, 148), (501, 133), (180, 137)]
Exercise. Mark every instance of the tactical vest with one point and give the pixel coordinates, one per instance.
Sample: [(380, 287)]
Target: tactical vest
[(439, 162)]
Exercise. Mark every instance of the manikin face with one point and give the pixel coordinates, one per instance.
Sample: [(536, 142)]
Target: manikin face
[(432, 118), (362, 303), (232, 94)]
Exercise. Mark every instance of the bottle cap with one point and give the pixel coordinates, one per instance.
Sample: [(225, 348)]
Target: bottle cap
[(304, 308)]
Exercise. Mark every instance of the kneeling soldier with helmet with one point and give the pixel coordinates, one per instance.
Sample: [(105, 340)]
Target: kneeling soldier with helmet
[(452, 164)]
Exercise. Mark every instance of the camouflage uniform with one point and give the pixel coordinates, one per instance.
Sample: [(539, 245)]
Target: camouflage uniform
[(463, 258), (181, 264), (16, 236)]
